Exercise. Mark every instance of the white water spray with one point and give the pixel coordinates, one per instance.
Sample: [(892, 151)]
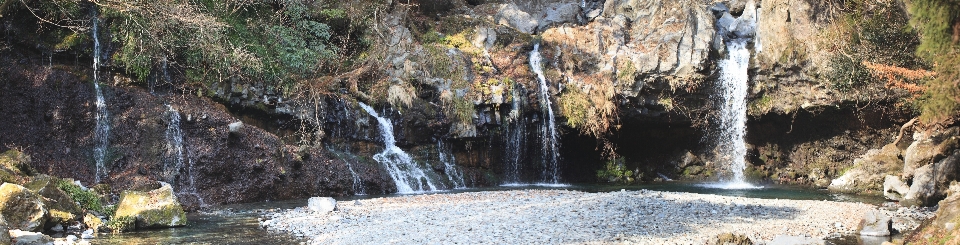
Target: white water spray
[(449, 166), (548, 129), (172, 166), (357, 182), (403, 170), (516, 141), (101, 135), (733, 112)]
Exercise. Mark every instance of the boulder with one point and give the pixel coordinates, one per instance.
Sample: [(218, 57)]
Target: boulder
[(927, 147), (235, 127), (559, 13), (894, 188), (322, 204), (868, 172), (52, 197), (19, 237), (10, 164), (875, 223), (511, 15), (796, 240), (154, 209), (93, 222), (20, 208), (929, 181)]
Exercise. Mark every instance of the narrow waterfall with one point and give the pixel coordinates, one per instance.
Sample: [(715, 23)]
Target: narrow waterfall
[(176, 154), (516, 141), (454, 175), (191, 188), (357, 182), (174, 162), (96, 43), (548, 130), (101, 135), (403, 170)]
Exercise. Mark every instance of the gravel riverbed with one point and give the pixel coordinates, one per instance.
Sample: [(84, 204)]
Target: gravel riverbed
[(569, 217)]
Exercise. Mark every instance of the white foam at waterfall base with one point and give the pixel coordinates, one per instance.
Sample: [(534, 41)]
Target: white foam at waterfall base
[(732, 86), (101, 134), (401, 167), (548, 130)]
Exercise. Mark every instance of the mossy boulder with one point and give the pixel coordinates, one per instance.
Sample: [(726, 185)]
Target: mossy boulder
[(21, 208), (868, 172), (61, 206), (12, 163), (158, 208)]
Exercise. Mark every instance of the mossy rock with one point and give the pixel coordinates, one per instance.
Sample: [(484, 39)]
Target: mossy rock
[(12, 166), (93, 222), (53, 197), (21, 208), (144, 210)]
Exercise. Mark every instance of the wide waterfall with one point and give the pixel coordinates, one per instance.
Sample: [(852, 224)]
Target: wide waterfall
[(548, 130), (174, 162), (403, 170), (454, 175)]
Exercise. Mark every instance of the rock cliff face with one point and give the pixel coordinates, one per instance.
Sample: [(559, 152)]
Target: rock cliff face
[(48, 112), (628, 78)]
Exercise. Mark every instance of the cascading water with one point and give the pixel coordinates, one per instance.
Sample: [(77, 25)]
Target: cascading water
[(404, 172), (454, 175), (191, 188), (548, 130), (176, 154), (96, 43), (101, 135), (171, 168), (516, 141), (732, 90), (357, 182)]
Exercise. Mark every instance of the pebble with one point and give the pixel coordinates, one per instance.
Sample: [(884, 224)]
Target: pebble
[(562, 216)]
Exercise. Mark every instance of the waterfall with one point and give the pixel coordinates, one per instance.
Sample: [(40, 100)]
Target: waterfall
[(449, 167), (171, 168), (548, 130), (101, 135), (404, 172), (357, 182), (191, 188), (96, 43), (733, 113), (516, 141), (176, 156)]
